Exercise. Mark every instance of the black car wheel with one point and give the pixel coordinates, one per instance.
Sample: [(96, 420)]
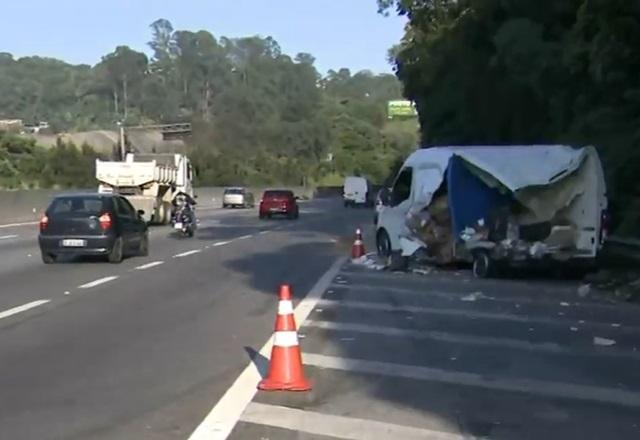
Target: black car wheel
[(383, 243), (117, 252), (144, 246), (48, 258)]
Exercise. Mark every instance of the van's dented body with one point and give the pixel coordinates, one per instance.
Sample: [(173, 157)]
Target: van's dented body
[(515, 203)]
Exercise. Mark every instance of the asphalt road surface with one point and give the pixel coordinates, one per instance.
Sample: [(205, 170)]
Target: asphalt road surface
[(158, 347)]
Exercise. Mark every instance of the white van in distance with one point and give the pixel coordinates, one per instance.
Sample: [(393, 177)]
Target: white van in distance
[(355, 191)]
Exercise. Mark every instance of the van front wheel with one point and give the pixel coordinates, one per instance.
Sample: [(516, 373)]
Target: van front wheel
[(383, 243)]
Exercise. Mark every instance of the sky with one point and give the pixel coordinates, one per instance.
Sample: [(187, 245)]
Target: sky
[(339, 33)]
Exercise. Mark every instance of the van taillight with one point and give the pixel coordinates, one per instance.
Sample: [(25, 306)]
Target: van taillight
[(44, 223), (105, 221)]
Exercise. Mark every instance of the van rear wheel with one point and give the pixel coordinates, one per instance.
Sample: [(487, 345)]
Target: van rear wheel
[(483, 265)]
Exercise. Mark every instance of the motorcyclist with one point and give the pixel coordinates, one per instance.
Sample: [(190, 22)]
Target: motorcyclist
[(184, 203)]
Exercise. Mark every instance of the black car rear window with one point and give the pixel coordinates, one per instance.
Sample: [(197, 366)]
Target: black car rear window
[(90, 205), (279, 194), (234, 191)]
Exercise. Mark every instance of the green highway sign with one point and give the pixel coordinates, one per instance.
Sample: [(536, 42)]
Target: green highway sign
[(401, 109)]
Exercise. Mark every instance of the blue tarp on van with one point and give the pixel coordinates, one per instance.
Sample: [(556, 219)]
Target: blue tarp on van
[(470, 199)]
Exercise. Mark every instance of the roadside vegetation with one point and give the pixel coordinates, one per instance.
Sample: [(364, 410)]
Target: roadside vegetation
[(259, 116), (25, 165)]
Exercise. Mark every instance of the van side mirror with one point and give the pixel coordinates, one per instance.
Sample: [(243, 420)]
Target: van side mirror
[(195, 196), (385, 196), (140, 212)]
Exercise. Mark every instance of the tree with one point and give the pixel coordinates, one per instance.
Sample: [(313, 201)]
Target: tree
[(122, 69)]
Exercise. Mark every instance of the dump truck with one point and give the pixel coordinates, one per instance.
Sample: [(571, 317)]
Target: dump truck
[(149, 181)]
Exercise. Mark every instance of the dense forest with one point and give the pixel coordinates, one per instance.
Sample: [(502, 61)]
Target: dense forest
[(521, 71), (258, 114)]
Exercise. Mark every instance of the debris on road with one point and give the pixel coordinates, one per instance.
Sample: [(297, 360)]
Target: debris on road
[(624, 285), (603, 341), (368, 261), (584, 290), (472, 297)]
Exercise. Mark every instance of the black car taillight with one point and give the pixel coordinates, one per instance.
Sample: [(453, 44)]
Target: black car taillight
[(44, 223), (105, 221)]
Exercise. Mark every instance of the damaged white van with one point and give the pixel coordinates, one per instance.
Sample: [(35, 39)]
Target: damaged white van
[(496, 206)]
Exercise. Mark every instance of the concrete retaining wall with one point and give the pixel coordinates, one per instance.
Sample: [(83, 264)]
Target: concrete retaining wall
[(27, 206)]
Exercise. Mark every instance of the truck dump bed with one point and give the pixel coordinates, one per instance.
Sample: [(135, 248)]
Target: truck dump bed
[(122, 174)]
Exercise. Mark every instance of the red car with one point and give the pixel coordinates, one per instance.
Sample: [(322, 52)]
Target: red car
[(279, 202)]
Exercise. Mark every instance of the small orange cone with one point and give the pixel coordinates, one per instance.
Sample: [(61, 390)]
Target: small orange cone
[(285, 367), (357, 250)]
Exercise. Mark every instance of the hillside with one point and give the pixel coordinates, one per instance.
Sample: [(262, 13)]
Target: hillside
[(259, 116)]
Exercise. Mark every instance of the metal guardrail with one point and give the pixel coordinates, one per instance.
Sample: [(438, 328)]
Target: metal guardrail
[(624, 241)]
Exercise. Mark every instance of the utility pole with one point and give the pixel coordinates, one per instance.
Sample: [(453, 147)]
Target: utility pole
[(123, 148)]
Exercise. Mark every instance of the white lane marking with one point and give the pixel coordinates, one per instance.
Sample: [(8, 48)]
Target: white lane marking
[(337, 426), (15, 225), (465, 313), (186, 254), (244, 237), (150, 265), (23, 308), (8, 237), (529, 386), (264, 232), (98, 282), (484, 341), (221, 243), (218, 424)]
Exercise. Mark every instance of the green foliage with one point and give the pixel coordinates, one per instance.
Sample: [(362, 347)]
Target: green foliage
[(515, 71), (259, 116), (25, 165)]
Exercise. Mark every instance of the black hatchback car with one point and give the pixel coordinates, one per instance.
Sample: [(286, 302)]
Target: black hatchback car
[(92, 224)]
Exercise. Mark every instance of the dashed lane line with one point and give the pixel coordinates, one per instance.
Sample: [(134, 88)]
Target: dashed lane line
[(221, 243), (186, 254), (245, 237), (98, 282), (544, 388), (8, 237), (15, 225), (23, 308), (150, 265)]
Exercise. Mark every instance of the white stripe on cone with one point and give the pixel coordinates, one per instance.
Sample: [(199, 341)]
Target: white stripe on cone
[(285, 339), (285, 307)]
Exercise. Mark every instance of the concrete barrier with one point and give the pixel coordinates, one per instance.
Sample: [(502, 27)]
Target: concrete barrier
[(24, 206)]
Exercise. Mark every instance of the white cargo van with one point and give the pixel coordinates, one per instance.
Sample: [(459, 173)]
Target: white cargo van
[(497, 206), (355, 191)]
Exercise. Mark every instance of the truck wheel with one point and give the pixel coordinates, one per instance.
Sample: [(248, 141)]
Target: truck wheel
[(483, 265), (166, 218)]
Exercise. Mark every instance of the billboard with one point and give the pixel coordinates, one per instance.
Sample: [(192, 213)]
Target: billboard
[(401, 109)]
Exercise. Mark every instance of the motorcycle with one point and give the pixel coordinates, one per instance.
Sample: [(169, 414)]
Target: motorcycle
[(183, 222)]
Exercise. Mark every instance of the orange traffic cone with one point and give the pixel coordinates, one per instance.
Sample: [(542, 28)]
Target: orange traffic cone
[(357, 250), (285, 367)]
